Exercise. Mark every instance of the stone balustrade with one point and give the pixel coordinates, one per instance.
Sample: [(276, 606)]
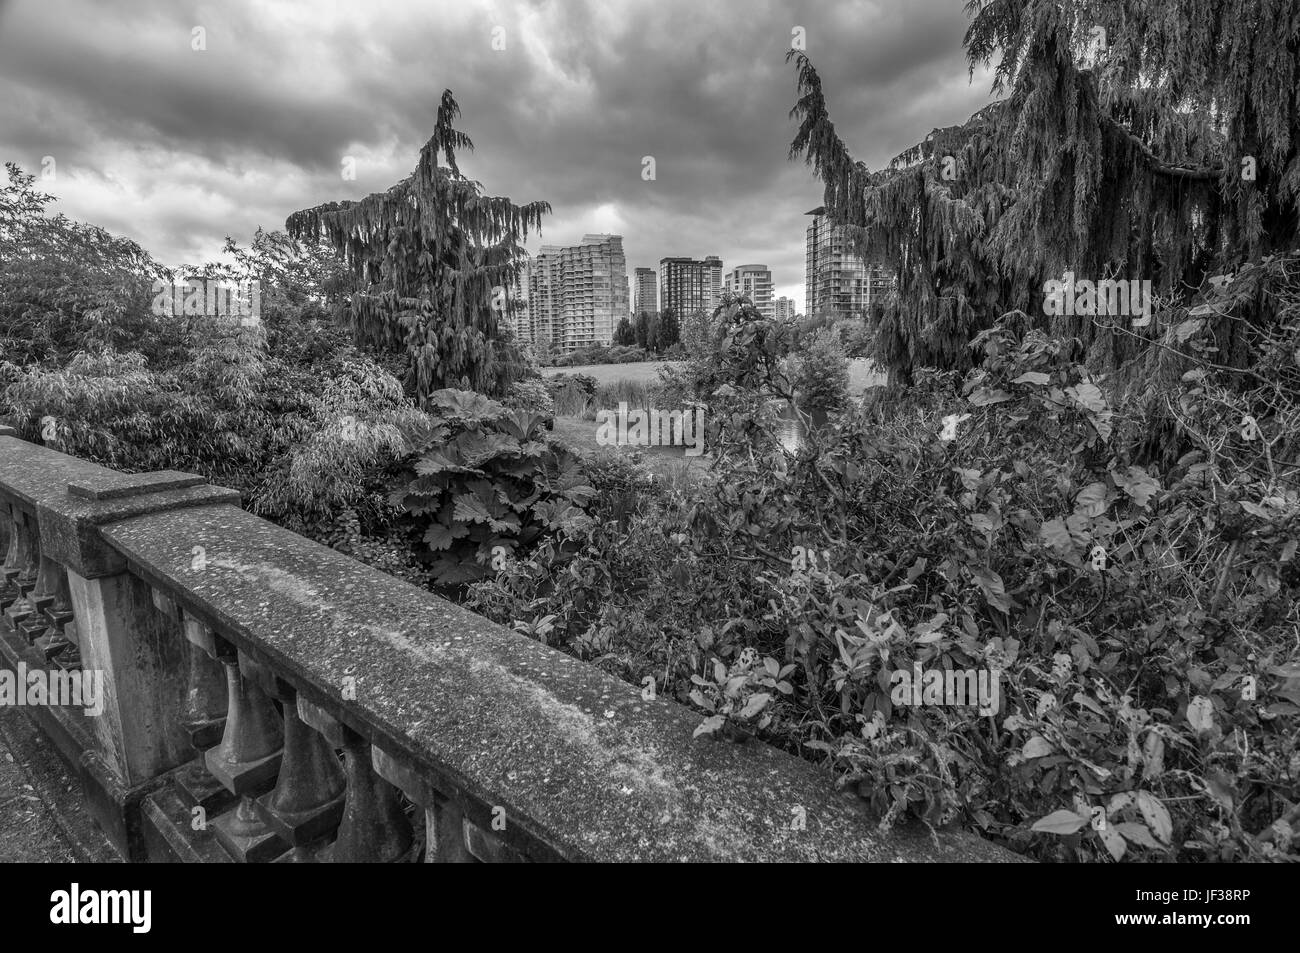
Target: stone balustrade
[(266, 698)]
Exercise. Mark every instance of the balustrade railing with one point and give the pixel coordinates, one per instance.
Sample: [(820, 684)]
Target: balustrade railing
[(266, 698)]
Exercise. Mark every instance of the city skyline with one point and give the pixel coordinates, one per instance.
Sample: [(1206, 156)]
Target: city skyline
[(177, 148)]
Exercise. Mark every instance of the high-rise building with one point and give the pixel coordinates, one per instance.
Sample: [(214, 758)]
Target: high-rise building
[(754, 281), (517, 314), (647, 292), (783, 309), (713, 282), (578, 293), (687, 285), (836, 281)]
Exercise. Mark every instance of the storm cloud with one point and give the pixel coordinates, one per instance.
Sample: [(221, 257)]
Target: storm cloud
[(177, 147)]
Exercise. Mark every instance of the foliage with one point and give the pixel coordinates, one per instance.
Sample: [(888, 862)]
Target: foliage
[(599, 354), (820, 373), (531, 395), (429, 256), (483, 484), (1149, 697), (66, 286), (1170, 153), (624, 334)]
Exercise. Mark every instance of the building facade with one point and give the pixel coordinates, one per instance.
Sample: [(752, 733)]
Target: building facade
[(687, 285), (578, 294), (754, 281), (713, 283), (646, 296), (783, 309), (836, 281), (516, 312)]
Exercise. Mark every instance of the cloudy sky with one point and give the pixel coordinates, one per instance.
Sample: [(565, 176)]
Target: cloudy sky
[(177, 147)]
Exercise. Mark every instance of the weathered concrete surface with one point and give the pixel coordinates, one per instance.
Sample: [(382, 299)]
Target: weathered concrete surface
[(584, 768), (40, 480), (42, 819)]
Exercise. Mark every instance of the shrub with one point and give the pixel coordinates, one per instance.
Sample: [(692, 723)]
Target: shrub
[(482, 486)]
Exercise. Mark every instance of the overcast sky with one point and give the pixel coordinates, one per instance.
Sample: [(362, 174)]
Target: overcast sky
[(177, 148)]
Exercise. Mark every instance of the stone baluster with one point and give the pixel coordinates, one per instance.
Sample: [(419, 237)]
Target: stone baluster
[(308, 801), (41, 598), (374, 828), (450, 836), (28, 568), (60, 635), (246, 761), (9, 571), (206, 702), (203, 718)]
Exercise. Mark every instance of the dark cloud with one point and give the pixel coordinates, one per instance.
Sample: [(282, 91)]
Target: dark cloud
[(177, 147)]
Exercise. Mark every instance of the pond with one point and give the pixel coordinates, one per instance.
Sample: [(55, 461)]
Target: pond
[(792, 427)]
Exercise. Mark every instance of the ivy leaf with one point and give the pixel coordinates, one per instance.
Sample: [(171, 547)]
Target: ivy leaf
[(1156, 816), (1113, 841), (756, 703), (1032, 377), (984, 396), (1059, 822), (1036, 747), (1091, 500), (1089, 395), (1137, 483), (994, 590), (1220, 787), (1137, 834), (1200, 714), (709, 725), (1153, 755), (1056, 536)]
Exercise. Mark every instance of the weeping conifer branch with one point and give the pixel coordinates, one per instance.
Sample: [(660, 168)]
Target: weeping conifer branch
[(428, 254), (1114, 162)]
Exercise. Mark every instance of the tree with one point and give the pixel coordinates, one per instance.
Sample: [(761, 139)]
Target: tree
[(670, 331), (696, 333), (642, 329), (624, 334), (1168, 155), (433, 256), (67, 285)]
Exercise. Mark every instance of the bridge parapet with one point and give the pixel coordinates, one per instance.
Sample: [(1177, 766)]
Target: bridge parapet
[(268, 698)]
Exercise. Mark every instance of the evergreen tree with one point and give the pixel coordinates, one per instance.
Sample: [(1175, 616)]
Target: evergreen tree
[(433, 256), (624, 334), (642, 329), (1136, 140), (670, 331)]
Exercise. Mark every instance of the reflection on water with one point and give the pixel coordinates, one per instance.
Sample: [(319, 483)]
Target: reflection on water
[(791, 426)]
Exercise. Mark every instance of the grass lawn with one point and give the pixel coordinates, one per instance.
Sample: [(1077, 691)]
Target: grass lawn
[(667, 463), (641, 372), (862, 373)]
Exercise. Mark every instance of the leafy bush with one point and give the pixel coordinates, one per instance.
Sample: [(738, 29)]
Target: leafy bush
[(821, 373), (482, 484), (531, 395), (1122, 552)]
